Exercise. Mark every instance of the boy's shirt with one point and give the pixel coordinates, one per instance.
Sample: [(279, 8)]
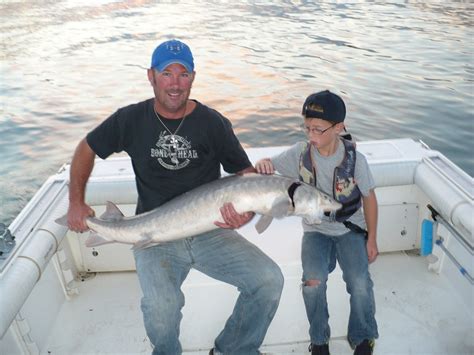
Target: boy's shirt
[(288, 163)]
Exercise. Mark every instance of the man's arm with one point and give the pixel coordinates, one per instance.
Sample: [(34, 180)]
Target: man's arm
[(371, 216), (81, 169), (250, 169)]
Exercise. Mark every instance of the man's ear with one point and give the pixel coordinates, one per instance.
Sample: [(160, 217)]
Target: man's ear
[(151, 76)]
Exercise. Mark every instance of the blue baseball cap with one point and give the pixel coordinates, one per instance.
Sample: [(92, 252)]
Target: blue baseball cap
[(171, 52), (324, 105)]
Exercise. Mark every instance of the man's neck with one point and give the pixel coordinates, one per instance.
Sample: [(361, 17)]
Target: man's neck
[(178, 114)]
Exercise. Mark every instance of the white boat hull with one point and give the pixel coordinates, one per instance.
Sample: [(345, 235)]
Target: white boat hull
[(422, 308)]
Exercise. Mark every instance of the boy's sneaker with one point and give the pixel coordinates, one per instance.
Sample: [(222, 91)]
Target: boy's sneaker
[(365, 348), (319, 349)]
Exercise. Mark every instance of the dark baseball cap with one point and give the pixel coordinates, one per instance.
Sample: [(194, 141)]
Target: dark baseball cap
[(324, 105)]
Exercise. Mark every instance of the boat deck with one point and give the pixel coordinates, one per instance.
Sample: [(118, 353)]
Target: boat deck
[(416, 313)]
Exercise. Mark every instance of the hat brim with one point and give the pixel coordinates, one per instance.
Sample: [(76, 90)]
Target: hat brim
[(189, 68)]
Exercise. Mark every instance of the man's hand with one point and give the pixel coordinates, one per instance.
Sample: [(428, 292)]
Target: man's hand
[(81, 168), (233, 220), (76, 217)]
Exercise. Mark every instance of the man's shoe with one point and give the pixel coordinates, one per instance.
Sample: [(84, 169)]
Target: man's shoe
[(211, 352), (319, 349), (365, 348)]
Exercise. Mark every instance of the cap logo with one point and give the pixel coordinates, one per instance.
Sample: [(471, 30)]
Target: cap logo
[(174, 48), (317, 108)]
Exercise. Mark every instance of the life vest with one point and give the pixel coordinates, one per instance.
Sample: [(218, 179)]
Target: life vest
[(345, 189)]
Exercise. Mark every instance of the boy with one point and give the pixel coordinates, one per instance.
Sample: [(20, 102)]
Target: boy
[(334, 166)]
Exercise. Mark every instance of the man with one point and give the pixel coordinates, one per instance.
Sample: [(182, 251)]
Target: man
[(175, 145)]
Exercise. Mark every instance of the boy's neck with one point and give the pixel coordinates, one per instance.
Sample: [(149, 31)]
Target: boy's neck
[(329, 149)]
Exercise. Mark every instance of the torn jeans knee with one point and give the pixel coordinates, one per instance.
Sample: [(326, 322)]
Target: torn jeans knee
[(312, 283)]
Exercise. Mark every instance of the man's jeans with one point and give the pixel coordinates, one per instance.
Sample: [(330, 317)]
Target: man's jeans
[(224, 255), (319, 253)]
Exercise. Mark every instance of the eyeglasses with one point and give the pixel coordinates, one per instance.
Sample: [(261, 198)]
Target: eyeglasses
[(316, 131)]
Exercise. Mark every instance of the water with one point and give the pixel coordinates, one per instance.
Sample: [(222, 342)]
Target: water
[(404, 70)]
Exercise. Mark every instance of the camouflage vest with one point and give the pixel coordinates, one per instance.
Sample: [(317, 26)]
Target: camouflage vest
[(345, 189)]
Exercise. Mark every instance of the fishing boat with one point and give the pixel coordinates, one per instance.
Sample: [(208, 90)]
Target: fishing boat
[(59, 297)]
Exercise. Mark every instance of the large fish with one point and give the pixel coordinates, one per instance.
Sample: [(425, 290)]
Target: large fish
[(194, 212)]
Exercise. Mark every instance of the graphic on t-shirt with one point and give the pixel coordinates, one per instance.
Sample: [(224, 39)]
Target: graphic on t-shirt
[(173, 152)]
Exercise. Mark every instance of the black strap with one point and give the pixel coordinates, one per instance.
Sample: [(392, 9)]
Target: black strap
[(355, 228), (350, 208), (291, 191), (347, 136)]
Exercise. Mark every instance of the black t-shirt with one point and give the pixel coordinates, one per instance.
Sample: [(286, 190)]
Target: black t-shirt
[(168, 165)]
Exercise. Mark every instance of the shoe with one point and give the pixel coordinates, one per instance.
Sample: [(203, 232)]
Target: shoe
[(211, 352), (319, 349), (365, 348)]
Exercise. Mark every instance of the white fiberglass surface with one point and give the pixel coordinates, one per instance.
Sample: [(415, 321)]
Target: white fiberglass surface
[(418, 312)]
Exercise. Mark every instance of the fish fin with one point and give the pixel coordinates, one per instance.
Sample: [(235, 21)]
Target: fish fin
[(145, 241), (112, 213), (280, 208), (313, 219), (62, 221), (95, 240), (263, 223)]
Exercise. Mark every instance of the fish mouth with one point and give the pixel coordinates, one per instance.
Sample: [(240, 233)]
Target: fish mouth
[(333, 209), (334, 206)]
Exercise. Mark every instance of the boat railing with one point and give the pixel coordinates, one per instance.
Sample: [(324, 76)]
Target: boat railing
[(37, 240)]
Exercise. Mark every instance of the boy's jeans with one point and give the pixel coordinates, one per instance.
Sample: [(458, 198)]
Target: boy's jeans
[(223, 255), (319, 253)]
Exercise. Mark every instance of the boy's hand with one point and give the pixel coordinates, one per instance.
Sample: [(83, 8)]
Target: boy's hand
[(372, 250), (265, 166)]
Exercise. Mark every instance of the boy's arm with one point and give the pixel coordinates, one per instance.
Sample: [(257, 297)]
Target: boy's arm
[(371, 215), (285, 163)]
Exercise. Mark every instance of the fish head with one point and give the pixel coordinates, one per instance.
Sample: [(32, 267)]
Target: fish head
[(311, 203)]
